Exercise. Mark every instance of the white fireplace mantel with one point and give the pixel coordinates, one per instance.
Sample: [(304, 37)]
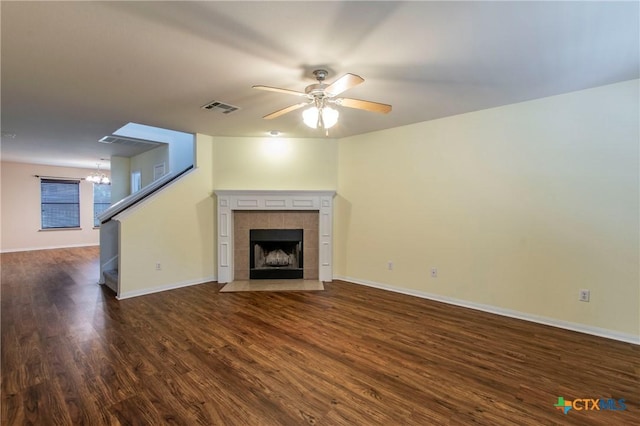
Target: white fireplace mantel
[(228, 201)]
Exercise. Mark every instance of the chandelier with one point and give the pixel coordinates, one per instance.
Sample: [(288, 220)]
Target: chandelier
[(98, 177)]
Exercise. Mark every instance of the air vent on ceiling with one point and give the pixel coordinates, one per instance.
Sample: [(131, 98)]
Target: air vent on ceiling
[(220, 107), (136, 143)]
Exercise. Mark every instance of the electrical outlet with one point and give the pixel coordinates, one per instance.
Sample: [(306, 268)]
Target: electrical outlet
[(585, 295), (158, 266), (390, 266), (434, 272)]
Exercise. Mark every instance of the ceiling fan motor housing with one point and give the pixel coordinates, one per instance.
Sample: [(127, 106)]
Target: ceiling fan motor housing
[(316, 90)]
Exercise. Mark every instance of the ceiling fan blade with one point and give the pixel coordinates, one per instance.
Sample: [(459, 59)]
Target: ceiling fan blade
[(366, 105), (279, 90), (345, 82), (283, 111)]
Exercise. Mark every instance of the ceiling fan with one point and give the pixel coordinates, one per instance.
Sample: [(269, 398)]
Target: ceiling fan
[(320, 96)]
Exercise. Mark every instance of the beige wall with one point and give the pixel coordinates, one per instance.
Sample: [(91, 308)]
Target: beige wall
[(174, 227), (518, 207), (120, 178), (21, 218), (145, 162), (274, 163)]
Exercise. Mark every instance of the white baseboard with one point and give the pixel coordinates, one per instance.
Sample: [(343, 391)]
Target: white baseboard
[(47, 248), (581, 328), (151, 290)]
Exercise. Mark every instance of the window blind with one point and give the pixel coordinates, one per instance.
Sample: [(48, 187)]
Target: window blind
[(101, 200), (60, 203)]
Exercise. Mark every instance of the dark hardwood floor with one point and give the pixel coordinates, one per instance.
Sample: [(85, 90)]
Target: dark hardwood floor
[(351, 355)]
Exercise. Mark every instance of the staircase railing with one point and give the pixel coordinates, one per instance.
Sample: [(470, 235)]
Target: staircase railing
[(140, 195)]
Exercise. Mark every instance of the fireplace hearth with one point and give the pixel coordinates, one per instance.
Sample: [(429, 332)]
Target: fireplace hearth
[(276, 254)]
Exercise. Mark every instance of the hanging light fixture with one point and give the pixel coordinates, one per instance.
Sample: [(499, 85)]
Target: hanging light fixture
[(325, 117), (98, 177), (320, 115)]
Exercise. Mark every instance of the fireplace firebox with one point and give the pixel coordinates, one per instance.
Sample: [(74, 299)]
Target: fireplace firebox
[(276, 254)]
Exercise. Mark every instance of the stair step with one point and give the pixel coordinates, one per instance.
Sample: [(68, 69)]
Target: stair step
[(112, 273), (111, 279)]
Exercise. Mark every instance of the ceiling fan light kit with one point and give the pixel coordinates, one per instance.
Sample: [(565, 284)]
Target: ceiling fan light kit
[(319, 95), (324, 118)]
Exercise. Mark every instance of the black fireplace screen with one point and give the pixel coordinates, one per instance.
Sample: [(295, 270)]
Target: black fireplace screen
[(275, 254)]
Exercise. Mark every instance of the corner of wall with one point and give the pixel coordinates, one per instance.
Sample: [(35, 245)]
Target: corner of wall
[(168, 241)]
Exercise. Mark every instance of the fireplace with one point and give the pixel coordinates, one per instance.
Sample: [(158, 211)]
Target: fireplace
[(276, 254), (239, 211), (287, 226)]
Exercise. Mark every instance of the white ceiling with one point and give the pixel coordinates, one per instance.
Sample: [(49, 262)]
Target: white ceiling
[(73, 72)]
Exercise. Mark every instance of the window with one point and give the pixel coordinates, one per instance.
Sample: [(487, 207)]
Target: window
[(136, 181), (101, 200), (60, 203)]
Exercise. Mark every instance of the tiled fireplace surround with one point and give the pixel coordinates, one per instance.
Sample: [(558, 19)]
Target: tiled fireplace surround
[(243, 221), (240, 211)]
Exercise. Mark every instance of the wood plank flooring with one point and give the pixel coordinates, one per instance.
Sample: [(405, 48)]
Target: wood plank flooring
[(350, 355)]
